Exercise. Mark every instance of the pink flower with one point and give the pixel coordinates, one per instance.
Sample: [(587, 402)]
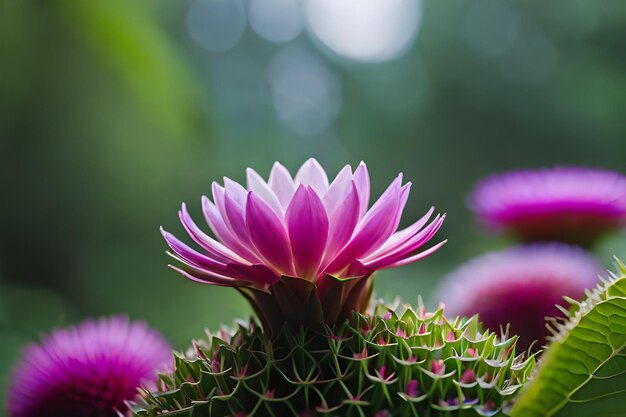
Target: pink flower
[(304, 228), (412, 388), (568, 204), (520, 286), (88, 370)]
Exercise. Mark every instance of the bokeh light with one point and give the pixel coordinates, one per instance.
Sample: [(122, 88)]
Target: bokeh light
[(365, 30), (216, 25), (276, 20), (306, 92)]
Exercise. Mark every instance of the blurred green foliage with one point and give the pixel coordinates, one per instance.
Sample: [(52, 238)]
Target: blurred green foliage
[(110, 116)]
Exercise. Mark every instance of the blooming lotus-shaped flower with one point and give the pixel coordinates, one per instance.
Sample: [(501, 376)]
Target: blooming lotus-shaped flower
[(87, 371), (568, 204), (519, 286), (302, 249)]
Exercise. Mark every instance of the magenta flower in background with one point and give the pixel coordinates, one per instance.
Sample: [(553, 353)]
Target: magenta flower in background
[(569, 204), (520, 286), (88, 370), (299, 245)]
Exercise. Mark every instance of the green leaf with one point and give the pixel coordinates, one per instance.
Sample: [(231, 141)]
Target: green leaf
[(133, 45), (584, 368)]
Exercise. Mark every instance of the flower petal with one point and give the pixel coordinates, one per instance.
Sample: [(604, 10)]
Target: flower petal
[(263, 191), (190, 256), (362, 180), (206, 277), (223, 232), (374, 229), (236, 191), (218, 198), (416, 257), (218, 251), (338, 190), (260, 274), (312, 174), (307, 225), (398, 238), (282, 184), (409, 246), (237, 218), (268, 234), (343, 220)]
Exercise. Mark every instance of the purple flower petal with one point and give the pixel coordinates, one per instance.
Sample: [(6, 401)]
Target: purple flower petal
[(374, 228), (223, 232), (87, 370), (343, 220), (399, 238), (218, 199), (217, 251), (313, 175), (281, 182), (236, 191), (416, 257), (520, 286), (258, 274), (268, 235), (338, 190), (206, 277), (407, 247), (570, 204), (237, 218), (190, 256), (308, 231), (263, 191), (362, 180)]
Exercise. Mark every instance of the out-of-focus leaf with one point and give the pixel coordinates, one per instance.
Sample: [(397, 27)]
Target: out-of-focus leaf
[(125, 35), (584, 366)]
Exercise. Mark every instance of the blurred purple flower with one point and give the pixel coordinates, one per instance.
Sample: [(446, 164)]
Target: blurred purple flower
[(88, 370), (520, 286), (304, 228), (569, 204)]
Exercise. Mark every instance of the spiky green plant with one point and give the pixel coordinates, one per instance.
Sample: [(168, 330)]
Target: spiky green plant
[(381, 364)]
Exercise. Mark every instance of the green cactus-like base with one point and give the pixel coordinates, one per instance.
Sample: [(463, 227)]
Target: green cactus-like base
[(413, 364)]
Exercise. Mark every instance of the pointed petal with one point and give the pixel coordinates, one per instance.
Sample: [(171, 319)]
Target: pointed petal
[(214, 219), (362, 180), (218, 198), (404, 197), (408, 247), (342, 222), (237, 218), (312, 174), (268, 234), (236, 191), (217, 251), (338, 190), (416, 257), (205, 277), (307, 225), (399, 238), (223, 232), (263, 191), (260, 274), (282, 184), (191, 257), (374, 229)]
